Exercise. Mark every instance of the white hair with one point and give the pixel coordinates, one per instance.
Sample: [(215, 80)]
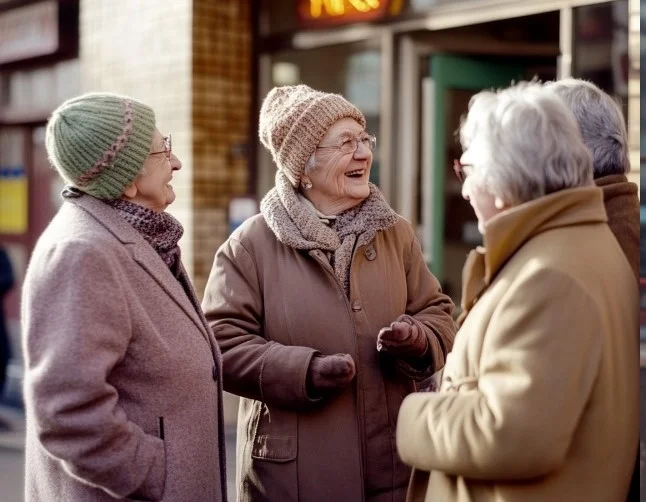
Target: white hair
[(601, 122), (523, 144)]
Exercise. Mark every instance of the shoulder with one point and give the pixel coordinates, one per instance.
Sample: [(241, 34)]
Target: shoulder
[(401, 233), (76, 238), (253, 233)]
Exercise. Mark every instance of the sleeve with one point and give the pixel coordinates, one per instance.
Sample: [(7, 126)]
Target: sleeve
[(429, 309), (253, 367), (540, 357), (76, 330)]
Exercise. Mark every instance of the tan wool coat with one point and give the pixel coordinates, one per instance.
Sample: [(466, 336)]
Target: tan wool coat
[(272, 307), (122, 374), (539, 398)]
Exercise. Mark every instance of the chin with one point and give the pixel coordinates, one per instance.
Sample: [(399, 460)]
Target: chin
[(361, 193)]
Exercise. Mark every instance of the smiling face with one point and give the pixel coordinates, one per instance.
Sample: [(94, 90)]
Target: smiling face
[(340, 180), (152, 188)]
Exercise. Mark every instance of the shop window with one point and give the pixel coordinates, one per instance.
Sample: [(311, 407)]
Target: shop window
[(600, 52)]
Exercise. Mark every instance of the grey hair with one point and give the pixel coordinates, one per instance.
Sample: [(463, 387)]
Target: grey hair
[(523, 144), (601, 122)]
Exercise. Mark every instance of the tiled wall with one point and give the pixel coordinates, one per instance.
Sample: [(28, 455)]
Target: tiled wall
[(221, 97), (149, 59), (190, 61)]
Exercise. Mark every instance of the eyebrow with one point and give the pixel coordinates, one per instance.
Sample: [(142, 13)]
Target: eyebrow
[(348, 134)]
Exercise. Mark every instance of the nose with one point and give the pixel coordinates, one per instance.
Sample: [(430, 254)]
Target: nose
[(175, 163), (362, 151)]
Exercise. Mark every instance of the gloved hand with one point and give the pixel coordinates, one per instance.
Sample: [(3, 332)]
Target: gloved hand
[(328, 373), (402, 339)]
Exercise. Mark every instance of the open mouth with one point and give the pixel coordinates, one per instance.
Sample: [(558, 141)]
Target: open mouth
[(357, 173)]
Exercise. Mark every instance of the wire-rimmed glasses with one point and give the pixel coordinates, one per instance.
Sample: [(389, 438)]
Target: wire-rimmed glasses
[(350, 145), (168, 147)]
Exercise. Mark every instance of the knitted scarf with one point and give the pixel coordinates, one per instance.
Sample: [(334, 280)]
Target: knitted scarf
[(161, 230), (296, 226)]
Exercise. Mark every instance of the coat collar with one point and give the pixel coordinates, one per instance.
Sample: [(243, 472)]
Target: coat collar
[(507, 232), (142, 253), (616, 185)]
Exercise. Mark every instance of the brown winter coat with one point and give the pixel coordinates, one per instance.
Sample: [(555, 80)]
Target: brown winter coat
[(622, 207), (272, 307), (540, 396), (116, 356)]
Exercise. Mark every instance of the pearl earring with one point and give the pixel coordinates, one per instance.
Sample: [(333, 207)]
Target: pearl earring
[(499, 203), (306, 185)]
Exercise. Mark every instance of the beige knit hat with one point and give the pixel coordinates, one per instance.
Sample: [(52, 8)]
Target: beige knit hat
[(293, 121)]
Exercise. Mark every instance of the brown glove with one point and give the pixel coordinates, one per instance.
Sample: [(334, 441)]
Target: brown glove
[(402, 339), (328, 373)]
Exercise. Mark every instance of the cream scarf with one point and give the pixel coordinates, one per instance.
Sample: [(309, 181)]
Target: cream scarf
[(295, 225)]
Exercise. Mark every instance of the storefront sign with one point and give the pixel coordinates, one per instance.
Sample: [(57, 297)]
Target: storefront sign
[(29, 31), (313, 13), (13, 200)]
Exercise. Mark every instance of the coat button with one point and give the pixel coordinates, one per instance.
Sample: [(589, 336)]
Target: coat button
[(356, 306), (371, 253)]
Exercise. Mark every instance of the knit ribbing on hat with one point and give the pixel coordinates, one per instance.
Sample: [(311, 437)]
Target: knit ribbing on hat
[(99, 142), (115, 148), (294, 120)]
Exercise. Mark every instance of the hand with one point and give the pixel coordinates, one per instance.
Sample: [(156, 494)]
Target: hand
[(402, 338), (328, 373)]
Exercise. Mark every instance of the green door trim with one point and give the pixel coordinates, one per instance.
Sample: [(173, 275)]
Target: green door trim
[(454, 72)]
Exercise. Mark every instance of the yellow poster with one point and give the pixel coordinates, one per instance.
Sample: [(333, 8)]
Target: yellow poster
[(13, 200)]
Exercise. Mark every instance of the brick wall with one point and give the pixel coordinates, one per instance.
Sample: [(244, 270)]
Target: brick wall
[(221, 100), (190, 61)]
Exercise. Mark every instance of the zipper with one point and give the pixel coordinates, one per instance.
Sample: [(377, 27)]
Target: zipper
[(326, 265)]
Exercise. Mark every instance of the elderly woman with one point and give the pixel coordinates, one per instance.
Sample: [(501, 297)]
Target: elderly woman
[(325, 312), (603, 128), (123, 375), (539, 398)]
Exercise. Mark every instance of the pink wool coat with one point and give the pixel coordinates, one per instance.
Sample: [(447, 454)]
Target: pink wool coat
[(122, 375)]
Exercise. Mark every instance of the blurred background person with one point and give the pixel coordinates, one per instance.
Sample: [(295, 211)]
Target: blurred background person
[(542, 382), (604, 133), (6, 283), (326, 314), (603, 129), (122, 385)]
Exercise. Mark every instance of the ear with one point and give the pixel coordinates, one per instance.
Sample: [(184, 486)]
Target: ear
[(130, 191)]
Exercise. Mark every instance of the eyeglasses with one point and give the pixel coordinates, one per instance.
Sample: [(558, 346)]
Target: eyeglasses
[(458, 168), (350, 145), (168, 148)]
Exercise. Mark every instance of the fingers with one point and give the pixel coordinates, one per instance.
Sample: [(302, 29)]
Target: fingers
[(401, 338), (331, 372), (395, 334)]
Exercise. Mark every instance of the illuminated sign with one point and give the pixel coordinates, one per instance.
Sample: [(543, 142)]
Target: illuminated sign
[(313, 13)]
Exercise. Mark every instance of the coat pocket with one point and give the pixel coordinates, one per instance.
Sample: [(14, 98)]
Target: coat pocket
[(274, 448), (275, 436)]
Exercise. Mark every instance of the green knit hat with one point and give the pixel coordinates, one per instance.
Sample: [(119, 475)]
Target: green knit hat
[(98, 142)]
